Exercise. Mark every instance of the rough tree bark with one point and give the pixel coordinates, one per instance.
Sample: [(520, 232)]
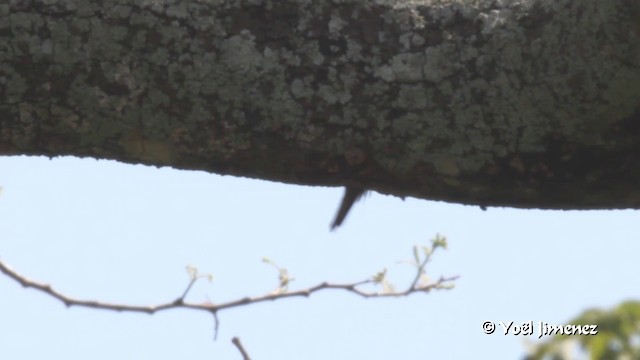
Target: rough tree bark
[(524, 103)]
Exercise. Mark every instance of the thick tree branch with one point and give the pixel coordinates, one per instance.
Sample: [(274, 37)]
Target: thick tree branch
[(530, 103)]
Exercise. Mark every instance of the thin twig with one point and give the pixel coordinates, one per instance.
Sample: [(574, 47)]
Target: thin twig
[(216, 324), (420, 272), (186, 291), (238, 344)]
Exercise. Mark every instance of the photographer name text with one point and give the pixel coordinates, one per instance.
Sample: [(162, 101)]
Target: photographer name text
[(540, 328)]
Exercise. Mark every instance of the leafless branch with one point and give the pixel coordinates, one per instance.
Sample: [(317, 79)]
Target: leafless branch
[(211, 307), (280, 293)]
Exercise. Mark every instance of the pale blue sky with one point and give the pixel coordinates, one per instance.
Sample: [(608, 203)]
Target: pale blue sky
[(122, 233)]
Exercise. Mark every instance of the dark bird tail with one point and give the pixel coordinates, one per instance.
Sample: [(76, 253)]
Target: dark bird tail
[(351, 195)]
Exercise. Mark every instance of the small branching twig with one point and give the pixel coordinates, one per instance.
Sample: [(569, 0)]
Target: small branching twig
[(194, 276), (283, 276), (419, 284), (420, 263)]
